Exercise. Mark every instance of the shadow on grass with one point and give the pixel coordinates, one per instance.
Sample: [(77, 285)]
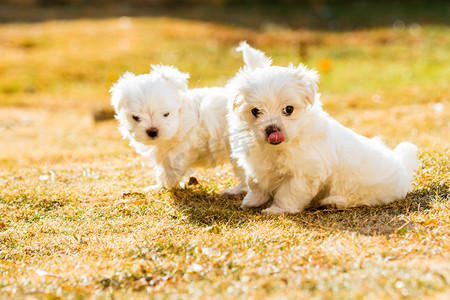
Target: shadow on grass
[(206, 208)]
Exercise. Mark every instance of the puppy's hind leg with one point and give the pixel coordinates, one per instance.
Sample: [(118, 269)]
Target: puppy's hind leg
[(241, 187)]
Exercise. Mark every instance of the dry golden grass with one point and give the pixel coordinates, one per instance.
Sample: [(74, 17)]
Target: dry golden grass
[(74, 221)]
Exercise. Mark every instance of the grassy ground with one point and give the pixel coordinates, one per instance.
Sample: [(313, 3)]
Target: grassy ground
[(75, 223)]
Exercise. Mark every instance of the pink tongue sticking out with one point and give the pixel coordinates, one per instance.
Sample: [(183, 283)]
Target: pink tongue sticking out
[(276, 137)]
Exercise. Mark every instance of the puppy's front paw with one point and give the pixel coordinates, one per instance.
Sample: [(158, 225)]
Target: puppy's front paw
[(337, 202), (274, 210), (152, 188), (239, 189), (253, 199)]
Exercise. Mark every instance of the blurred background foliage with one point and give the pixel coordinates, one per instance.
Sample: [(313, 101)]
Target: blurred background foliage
[(323, 14), (71, 51)]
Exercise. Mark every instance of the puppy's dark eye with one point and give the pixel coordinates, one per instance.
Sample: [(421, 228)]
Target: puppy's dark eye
[(166, 115), (256, 112), (288, 110), (136, 118)]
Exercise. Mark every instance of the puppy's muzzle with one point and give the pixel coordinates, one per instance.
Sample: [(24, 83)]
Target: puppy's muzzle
[(152, 132), (274, 135)]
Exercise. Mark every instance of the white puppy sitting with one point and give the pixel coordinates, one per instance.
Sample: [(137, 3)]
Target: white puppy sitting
[(176, 128), (295, 153)]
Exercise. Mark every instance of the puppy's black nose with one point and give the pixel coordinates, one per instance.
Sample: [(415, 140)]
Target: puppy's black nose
[(271, 129), (152, 132)]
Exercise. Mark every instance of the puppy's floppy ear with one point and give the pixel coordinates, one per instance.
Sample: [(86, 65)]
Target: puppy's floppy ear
[(236, 85), (178, 79), (118, 89), (253, 58), (237, 102), (307, 81)]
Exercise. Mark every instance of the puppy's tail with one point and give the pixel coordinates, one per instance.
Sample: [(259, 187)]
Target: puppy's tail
[(253, 58), (407, 153)]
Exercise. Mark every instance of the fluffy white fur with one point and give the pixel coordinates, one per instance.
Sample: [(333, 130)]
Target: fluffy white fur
[(176, 128), (319, 159)]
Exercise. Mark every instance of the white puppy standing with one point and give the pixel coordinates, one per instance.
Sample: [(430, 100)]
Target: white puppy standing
[(176, 128), (295, 152)]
